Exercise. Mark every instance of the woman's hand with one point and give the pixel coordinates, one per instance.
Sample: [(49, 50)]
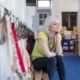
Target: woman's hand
[(57, 32), (60, 54), (58, 36)]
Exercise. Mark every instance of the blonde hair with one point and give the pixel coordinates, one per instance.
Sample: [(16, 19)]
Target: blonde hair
[(48, 21)]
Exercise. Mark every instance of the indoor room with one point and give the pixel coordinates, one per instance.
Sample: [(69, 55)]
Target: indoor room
[(39, 39)]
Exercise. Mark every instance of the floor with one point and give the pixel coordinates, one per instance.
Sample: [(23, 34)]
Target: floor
[(72, 66), (68, 53)]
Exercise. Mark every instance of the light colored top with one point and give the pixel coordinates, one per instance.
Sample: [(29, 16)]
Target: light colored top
[(37, 51)]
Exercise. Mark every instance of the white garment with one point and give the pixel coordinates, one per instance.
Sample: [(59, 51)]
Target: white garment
[(0, 31), (5, 62)]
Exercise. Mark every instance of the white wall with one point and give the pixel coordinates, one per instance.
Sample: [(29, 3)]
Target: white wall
[(21, 9), (59, 6), (30, 12), (56, 9), (70, 5), (18, 7), (6, 3)]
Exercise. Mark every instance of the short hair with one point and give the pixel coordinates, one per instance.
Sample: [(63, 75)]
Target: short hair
[(48, 22)]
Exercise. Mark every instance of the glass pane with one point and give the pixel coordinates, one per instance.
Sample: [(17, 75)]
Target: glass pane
[(45, 15), (40, 16), (41, 22), (65, 19), (73, 20), (44, 20), (44, 3)]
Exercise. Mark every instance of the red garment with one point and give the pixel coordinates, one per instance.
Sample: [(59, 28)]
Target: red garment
[(30, 43), (17, 48)]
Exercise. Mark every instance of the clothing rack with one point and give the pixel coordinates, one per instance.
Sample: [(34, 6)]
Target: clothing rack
[(21, 27), (9, 13)]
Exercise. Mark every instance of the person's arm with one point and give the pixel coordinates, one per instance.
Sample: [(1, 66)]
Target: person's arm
[(45, 48), (58, 45)]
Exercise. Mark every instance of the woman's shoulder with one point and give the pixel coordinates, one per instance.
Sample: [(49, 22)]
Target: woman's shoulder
[(42, 35)]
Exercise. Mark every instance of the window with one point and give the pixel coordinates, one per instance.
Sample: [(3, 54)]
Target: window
[(44, 3), (42, 17), (69, 19)]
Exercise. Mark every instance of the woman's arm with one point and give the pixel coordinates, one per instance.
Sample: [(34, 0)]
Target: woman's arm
[(58, 45), (45, 48)]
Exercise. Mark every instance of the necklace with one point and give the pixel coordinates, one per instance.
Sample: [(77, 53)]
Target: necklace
[(53, 46)]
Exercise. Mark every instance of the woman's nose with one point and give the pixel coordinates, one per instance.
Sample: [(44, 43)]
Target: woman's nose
[(57, 26)]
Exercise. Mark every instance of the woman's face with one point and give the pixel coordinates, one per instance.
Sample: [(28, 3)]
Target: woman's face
[(54, 27)]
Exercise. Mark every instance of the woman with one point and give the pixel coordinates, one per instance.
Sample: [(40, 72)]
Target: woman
[(47, 52)]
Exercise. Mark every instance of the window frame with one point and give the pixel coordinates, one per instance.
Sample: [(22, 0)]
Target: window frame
[(43, 19)]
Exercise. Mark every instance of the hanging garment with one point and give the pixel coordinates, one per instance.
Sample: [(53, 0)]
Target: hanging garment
[(21, 31), (5, 65), (27, 63), (1, 13), (4, 61), (2, 33), (21, 55), (17, 48), (16, 68), (30, 43)]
